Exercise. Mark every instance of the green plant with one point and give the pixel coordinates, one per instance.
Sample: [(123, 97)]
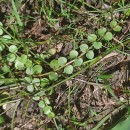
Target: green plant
[(114, 25), (41, 73), (44, 105)]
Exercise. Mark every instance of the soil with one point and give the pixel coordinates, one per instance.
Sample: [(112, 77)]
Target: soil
[(89, 101)]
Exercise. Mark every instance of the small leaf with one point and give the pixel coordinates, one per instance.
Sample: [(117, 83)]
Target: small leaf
[(36, 98), (7, 37), (41, 104), (68, 69), (51, 115), (108, 36), (11, 57), (62, 61), (30, 88), (29, 71), (44, 82), (97, 45), (102, 31), (54, 64), (1, 24), (36, 81), (42, 56), (6, 68), (46, 100), (53, 76), (28, 63), (83, 47), (92, 37), (52, 51), (117, 28), (47, 110), (113, 24), (78, 62), (73, 54), (41, 93), (28, 79), (90, 54), (37, 69), (19, 65), (13, 49), (2, 47), (23, 58), (1, 31)]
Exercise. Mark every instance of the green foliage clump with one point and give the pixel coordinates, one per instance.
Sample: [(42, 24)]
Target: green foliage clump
[(39, 71), (114, 25)]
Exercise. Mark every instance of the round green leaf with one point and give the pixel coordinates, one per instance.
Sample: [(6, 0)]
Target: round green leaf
[(90, 54), (113, 24), (108, 36), (28, 79), (37, 69), (92, 37), (97, 45), (83, 47), (36, 81), (47, 109), (2, 120), (62, 61), (30, 88), (44, 82), (13, 49), (68, 69), (52, 51), (36, 98), (23, 58), (2, 47), (54, 64), (53, 76), (7, 37), (73, 54), (37, 56), (42, 56), (28, 63), (46, 100), (51, 115), (102, 31), (1, 24), (29, 71), (117, 28), (1, 31), (6, 68), (41, 104), (11, 57), (78, 62), (19, 65)]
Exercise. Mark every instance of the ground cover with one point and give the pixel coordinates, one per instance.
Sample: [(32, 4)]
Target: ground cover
[(64, 64)]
